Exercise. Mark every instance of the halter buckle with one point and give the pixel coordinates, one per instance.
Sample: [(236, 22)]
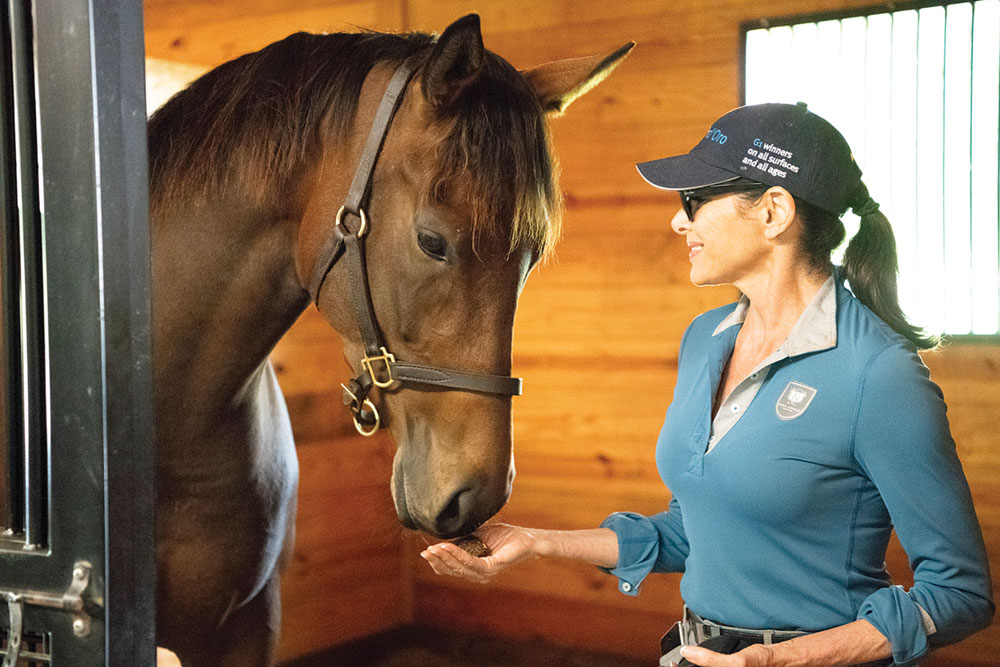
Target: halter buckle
[(386, 358)]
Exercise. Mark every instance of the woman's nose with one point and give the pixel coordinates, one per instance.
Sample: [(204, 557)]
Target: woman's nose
[(680, 222)]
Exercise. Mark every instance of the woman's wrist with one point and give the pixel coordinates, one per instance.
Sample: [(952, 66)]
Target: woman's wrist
[(597, 547), (545, 543)]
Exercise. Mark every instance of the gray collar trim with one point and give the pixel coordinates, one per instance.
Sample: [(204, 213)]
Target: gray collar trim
[(817, 326)]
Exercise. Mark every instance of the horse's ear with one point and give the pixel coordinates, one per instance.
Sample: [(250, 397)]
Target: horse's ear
[(457, 58), (556, 84)]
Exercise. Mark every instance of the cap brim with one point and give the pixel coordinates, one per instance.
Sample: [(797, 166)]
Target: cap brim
[(682, 172)]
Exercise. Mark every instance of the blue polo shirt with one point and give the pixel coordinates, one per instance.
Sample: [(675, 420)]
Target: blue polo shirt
[(783, 505)]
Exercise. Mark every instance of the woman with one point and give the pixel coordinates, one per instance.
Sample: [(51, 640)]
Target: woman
[(803, 427)]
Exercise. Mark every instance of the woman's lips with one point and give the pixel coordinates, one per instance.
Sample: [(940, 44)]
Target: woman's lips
[(694, 249)]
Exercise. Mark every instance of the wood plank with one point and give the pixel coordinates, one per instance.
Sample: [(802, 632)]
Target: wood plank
[(180, 14), (583, 625), (348, 549), (618, 287), (215, 42), (324, 612)]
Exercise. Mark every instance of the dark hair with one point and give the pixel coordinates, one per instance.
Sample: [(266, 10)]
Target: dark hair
[(870, 262), (871, 266)]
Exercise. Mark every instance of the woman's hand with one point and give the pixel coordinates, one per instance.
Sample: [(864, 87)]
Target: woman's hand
[(752, 656), (165, 658), (508, 545), (854, 643)]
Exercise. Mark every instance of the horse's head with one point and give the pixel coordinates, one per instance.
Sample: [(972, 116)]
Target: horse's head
[(463, 203)]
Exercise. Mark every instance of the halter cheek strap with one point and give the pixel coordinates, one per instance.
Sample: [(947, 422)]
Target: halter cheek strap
[(379, 366), (361, 185)]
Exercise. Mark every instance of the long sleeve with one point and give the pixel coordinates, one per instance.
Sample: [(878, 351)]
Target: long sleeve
[(647, 544), (903, 444)]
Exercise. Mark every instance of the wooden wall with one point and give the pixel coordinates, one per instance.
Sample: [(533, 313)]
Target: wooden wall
[(596, 335)]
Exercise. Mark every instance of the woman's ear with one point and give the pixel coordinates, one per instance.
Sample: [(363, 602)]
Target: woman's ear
[(778, 212)]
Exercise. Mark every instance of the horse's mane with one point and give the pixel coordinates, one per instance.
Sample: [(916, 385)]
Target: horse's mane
[(248, 124)]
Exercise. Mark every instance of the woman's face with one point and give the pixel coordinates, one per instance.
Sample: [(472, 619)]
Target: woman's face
[(725, 241)]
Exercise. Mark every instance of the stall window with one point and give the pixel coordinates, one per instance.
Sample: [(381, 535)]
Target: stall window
[(915, 92)]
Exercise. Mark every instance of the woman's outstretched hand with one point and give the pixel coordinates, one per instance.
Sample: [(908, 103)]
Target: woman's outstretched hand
[(508, 545)]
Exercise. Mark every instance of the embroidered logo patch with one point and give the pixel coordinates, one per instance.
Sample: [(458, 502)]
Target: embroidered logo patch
[(794, 400)]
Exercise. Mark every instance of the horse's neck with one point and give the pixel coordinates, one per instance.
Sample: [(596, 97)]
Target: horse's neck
[(225, 290)]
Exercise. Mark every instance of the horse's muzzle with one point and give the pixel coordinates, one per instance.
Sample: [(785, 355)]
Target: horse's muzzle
[(455, 514)]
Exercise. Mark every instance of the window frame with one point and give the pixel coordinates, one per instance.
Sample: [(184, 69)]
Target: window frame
[(789, 20)]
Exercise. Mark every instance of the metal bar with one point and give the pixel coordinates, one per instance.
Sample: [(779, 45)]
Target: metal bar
[(35, 649), (119, 68), (31, 280), (31, 656), (11, 457), (15, 607), (70, 600)]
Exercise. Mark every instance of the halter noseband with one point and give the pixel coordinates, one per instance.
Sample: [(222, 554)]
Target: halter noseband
[(379, 366)]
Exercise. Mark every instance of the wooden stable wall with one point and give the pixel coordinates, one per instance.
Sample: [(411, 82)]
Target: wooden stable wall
[(596, 335)]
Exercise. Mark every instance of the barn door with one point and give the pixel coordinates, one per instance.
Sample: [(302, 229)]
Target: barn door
[(76, 491)]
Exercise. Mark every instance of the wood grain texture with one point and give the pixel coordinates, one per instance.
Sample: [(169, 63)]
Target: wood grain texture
[(596, 335)]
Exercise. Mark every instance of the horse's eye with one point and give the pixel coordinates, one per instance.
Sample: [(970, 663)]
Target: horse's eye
[(434, 246)]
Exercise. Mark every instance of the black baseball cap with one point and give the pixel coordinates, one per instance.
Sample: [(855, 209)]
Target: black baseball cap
[(774, 144)]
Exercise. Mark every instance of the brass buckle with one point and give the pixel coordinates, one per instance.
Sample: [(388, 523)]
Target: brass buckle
[(386, 358), (364, 221)]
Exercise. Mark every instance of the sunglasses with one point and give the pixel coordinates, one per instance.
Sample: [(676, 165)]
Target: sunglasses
[(692, 200)]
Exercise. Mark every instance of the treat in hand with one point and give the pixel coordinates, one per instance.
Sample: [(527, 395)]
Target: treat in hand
[(472, 545)]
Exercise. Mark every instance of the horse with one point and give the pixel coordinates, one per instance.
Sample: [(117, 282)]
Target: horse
[(452, 204)]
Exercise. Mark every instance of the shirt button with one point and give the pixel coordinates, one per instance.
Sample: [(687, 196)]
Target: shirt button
[(753, 376), (626, 586), (735, 408)]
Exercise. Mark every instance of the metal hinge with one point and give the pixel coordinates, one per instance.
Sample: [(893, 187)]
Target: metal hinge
[(71, 600)]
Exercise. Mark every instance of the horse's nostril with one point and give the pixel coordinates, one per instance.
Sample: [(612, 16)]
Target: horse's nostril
[(453, 520)]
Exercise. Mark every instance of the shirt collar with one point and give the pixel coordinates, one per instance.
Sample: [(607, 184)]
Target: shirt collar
[(817, 326)]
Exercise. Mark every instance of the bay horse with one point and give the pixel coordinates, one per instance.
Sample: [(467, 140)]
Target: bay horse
[(249, 167)]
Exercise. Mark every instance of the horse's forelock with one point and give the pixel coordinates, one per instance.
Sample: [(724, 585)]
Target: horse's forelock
[(495, 141)]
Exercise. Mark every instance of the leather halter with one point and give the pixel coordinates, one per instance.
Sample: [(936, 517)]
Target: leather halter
[(379, 366)]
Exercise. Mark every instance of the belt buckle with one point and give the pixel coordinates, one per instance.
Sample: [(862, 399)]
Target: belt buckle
[(387, 359)]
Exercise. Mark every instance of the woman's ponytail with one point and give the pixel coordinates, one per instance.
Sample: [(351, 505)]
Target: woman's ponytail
[(870, 265)]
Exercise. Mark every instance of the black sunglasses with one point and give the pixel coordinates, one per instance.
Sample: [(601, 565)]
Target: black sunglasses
[(692, 200)]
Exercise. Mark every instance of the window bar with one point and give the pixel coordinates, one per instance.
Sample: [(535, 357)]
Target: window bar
[(904, 140), (985, 182), (12, 483), (10, 457), (930, 173), (34, 405), (957, 228), (878, 100)]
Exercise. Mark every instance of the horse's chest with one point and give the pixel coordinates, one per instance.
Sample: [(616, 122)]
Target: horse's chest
[(227, 501)]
